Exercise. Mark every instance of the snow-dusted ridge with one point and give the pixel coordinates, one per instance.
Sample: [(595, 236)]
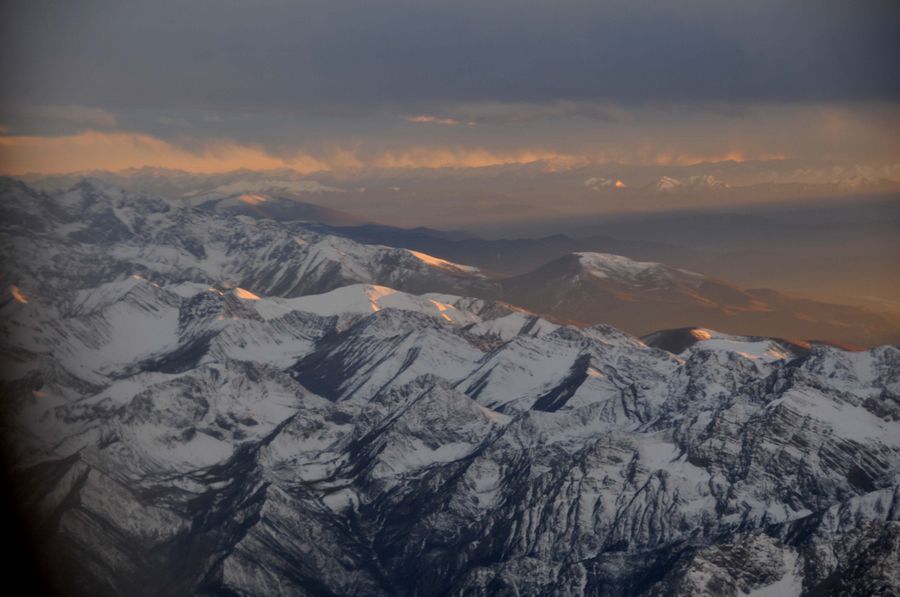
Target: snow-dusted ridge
[(362, 299)]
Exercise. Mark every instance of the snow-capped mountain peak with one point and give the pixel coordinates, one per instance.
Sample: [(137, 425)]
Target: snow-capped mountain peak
[(604, 265)]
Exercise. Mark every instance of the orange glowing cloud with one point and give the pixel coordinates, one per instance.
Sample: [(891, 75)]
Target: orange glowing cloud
[(119, 150), (95, 150), (674, 158), (442, 157), (429, 119), (667, 158)]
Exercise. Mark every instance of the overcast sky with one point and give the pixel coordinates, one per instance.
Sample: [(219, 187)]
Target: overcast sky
[(219, 84)]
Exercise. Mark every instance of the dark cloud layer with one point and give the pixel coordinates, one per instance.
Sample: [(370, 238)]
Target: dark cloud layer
[(359, 55)]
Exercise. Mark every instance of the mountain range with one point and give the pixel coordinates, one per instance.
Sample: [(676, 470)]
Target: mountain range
[(718, 219), (290, 257), (197, 401)]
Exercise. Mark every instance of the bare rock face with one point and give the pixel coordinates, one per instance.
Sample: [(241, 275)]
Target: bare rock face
[(173, 434)]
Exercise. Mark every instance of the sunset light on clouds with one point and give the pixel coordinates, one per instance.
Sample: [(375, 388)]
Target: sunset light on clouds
[(706, 88)]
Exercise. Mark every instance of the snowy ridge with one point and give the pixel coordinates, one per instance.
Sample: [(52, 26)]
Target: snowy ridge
[(363, 299)]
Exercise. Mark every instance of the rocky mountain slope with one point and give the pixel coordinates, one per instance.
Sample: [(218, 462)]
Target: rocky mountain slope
[(204, 404)]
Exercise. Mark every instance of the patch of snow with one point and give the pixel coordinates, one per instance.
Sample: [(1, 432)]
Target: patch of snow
[(495, 416), (341, 500)]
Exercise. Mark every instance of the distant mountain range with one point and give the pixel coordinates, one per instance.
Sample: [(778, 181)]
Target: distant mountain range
[(514, 193), (789, 247), (747, 222), (292, 257)]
